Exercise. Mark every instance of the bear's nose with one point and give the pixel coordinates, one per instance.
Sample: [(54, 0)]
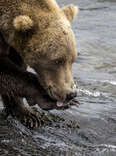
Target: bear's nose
[(71, 96)]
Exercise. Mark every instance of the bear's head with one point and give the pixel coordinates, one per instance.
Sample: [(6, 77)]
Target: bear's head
[(45, 40)]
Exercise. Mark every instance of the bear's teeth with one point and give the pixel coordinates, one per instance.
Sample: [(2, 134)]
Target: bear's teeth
[(59, 103)]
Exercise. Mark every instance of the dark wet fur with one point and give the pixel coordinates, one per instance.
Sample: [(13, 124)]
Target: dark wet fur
[(16, 83)]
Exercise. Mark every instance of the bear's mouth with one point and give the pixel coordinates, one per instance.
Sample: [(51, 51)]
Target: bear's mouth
[(60, 101), (59, 105), (49, 103)]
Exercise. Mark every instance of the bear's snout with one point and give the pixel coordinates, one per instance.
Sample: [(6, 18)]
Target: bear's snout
[(64, 94)]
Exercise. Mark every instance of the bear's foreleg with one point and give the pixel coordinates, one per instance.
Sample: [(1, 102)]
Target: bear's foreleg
[(15, 107), (15, 83)]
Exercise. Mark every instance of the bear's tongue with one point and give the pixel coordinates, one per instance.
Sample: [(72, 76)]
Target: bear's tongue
[(59, 103)]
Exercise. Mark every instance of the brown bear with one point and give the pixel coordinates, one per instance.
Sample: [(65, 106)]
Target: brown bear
[(40, 32)]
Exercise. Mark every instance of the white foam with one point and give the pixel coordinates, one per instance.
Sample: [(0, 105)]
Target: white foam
[(87, 92), (110, 81), (105, 146)]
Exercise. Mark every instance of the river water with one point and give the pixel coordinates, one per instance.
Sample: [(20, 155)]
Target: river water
[(95, 75)]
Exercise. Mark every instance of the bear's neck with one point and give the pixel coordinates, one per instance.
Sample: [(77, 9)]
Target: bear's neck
[(50, 5)]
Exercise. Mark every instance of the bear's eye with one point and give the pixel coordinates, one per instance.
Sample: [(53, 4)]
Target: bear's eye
[(59, 62)]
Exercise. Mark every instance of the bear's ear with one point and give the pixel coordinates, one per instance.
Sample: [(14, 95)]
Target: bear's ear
[(23, 23), (70, 11)]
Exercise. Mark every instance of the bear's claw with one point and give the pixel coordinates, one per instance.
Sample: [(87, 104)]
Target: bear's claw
[(27, 117), (31, 120)]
